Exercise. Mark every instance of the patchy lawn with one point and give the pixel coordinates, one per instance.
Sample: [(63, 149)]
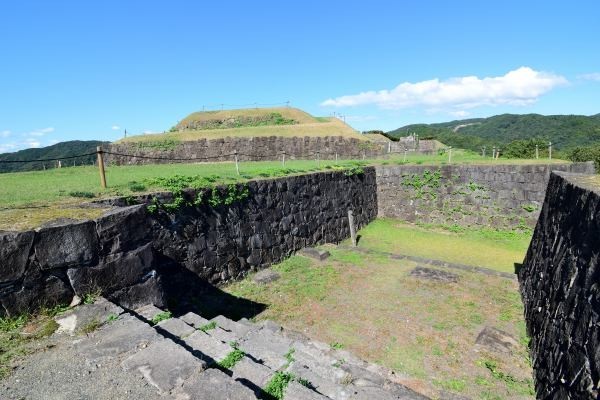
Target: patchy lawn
[(482, 247), (424, 330)]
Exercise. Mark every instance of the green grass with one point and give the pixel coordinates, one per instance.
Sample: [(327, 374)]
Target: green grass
[(162, 316), (207, 327), (28, 199), (232, 358), (483, 247), (422, 329), (278, 383)]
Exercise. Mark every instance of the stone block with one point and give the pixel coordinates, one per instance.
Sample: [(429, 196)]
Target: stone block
[(69, 245), (123, 229), (316, 254), (14, 253), (100, 311), (116, 272), (213, 384), (176, 327), (164, 364)]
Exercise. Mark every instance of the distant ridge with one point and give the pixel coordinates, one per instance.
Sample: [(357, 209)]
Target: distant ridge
[(58, 150), (565, 131)]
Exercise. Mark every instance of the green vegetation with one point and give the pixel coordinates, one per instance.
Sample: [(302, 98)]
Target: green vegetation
[(207, 327), (59, 150), (585, 153), (112, 318), (482, 247), (278, 383), (90, 327), (232, 358), (513, 133), (424, 329), (19, 334), (162, 316)]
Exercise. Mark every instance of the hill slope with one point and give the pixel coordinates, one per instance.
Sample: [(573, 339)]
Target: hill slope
[(59, 150), (565, 131), (254, 122)]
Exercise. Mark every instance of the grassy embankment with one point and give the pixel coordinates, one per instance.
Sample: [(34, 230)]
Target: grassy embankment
[(30, 198), (424, 330)]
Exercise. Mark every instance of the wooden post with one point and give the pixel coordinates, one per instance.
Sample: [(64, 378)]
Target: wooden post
[(352, 228), (364, 151), (450, 155), (537, 152), (550, 150), (283, 159), (389, 147), (237, 164), (405, 150), (336, 157), (494, 153), (483, 154), (497, 153), (317, 160), (101, 167), (59, 164)]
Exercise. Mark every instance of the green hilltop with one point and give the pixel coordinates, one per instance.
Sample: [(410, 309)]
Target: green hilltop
[(564, 131), (59, 150)]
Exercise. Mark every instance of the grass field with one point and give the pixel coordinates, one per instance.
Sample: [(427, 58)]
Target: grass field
[(424, 330), (30, 198), (482, 247)]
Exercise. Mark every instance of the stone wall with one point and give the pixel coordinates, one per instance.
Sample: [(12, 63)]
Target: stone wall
[(503, 196), (253, 149), (559, 282), (127, 253)]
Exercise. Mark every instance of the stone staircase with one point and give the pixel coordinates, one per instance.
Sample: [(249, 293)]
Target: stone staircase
[(190, 357)]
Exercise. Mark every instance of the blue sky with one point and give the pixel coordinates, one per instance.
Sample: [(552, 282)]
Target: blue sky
[(89, 69)]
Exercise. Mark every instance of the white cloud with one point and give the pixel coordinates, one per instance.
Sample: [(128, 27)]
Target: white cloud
[(6, 147), (460, 113), (115, 127), (32, 142), (594, 76), (5, 134), (519, 87), (40, 132)]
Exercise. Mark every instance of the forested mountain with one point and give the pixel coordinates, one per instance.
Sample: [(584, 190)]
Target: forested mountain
[(59, 150), (564, 131)]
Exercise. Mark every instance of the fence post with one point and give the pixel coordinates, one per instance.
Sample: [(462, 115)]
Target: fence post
[(450, 155), (494, 153), (405, 150), (283, 159), (537, 152), (101, 167), (317, 160), (483, 152), (389, 147), (550, 150), (237, 164), (352, 228), (336, 158), (497, 153)]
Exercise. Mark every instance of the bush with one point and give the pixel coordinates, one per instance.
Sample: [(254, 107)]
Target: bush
[(585, 153)]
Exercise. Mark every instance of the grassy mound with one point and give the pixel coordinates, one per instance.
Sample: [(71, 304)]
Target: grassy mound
[(255, 122)]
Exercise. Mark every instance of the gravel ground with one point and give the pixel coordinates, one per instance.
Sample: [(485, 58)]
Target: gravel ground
[(56, 372)]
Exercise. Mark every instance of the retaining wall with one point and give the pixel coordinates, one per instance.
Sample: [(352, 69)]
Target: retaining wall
[(560, 287), (502, 196), (128, 252), (253, 149)]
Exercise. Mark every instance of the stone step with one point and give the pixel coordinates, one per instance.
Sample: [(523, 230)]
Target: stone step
[(148, 312), (213, 384), (124, 335), (267, 347), (176, 327), (194, 320), (296, 391), (238, 329), (164, 364), (213, 349), (83, 316)]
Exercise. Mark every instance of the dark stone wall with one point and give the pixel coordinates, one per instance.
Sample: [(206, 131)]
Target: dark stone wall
[(502, 196), (560, 287), (128, 253), (253, 149)]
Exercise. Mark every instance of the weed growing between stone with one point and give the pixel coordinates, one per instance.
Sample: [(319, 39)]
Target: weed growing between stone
[(161, 317), (207, 327), (277, 385)]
